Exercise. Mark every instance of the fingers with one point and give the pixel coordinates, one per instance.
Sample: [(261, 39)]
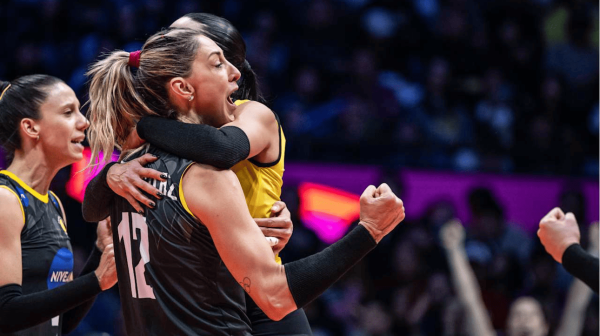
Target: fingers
[(272, 241), (369, 192), (148, 188), (140, 197), (554, 214), (146, 158), (275, 232), (384, 189), (138, 208), (273, 222), (152, 174), (277, 207)]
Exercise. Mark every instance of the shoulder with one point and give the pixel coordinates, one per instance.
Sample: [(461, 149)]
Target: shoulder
[(256, 110), (208, 175), (11, 208)]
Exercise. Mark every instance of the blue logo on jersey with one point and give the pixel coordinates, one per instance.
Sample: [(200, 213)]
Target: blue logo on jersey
[(24, 199), (61, 270)]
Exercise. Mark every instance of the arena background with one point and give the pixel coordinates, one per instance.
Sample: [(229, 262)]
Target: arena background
[(485, 110)]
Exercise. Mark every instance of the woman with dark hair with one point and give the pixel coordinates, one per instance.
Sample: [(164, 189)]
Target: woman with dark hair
[(41, 129), (253, 146), (179, 261)]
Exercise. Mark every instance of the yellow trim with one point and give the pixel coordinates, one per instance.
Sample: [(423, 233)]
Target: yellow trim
[(18, 198), (63, 217), (62, 224), (43, 198), (181, 197), (240, 102), (3, 92)]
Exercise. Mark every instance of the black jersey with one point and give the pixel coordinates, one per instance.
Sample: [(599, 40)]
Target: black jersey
[(46, 252), (172, 280)]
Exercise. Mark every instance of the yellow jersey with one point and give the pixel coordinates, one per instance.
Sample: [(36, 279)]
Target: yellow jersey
[(261, 182)]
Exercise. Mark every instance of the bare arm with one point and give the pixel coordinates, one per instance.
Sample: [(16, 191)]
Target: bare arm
[(253, 134), (11, 224), (464, 280), (261, 127), (217, 199)]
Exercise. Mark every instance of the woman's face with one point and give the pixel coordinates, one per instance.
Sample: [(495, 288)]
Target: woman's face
[(214, 80), (61, 126), (526, 318)]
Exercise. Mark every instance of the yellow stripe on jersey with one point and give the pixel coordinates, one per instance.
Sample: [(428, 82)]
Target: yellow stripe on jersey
[(43, 198), (261, 182), (181, 197), (62, 214), (18, 198)]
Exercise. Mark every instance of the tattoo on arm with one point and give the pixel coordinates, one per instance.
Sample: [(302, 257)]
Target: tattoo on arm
[(246, 284)]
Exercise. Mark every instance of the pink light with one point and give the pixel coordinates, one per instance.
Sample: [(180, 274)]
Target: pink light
[(327, 211), (81, 176)]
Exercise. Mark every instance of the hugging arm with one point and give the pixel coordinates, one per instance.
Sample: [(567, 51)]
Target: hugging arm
[(215, 197), (251, 133)]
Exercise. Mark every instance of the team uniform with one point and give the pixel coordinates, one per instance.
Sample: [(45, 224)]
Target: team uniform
[(172, 280), (46, 253), (262, 183)]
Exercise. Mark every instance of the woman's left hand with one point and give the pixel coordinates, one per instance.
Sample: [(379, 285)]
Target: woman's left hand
[(278, 226)]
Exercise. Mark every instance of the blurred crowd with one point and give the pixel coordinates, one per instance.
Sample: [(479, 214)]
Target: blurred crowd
[(507, 86), (494, 85), (406, 286)]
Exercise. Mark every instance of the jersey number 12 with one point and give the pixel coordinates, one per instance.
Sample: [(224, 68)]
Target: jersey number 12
[(139, 287)]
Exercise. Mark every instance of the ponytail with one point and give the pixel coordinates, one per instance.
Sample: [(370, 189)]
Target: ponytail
[(118, 98), (248, 84), (115, 104)]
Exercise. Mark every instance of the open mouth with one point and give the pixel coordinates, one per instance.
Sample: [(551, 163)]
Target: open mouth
[(230, 98), (78, 141)]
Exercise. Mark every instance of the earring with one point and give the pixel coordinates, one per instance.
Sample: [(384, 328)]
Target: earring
[(191, 98), (38, 138)]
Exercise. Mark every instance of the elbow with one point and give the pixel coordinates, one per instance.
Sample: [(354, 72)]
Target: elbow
[(274, 313), (275, 305)]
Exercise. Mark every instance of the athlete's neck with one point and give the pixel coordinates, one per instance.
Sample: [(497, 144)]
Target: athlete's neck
[(34, 170)]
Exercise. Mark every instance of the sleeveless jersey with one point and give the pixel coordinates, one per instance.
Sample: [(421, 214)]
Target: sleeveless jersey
[(172, 280), (261, 182), (46, 253)]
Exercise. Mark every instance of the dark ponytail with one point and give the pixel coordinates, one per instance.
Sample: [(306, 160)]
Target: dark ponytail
[(248, 84), (21, 99), (229, 39)]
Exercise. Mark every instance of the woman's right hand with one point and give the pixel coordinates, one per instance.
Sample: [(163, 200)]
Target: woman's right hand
[(107, 270), (126, 180)]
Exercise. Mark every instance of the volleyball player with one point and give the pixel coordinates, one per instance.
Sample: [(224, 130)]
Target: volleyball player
[(41, 129), (179, 263), (253, 146)]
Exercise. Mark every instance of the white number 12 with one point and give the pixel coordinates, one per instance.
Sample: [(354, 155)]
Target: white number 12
[(139, 287)]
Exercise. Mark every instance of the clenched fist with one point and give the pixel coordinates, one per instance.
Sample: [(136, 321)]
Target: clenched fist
[(557, 232), (380, 211)]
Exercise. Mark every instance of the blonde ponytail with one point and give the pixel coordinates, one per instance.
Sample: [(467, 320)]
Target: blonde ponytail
[(114, 105), (115, 102)]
